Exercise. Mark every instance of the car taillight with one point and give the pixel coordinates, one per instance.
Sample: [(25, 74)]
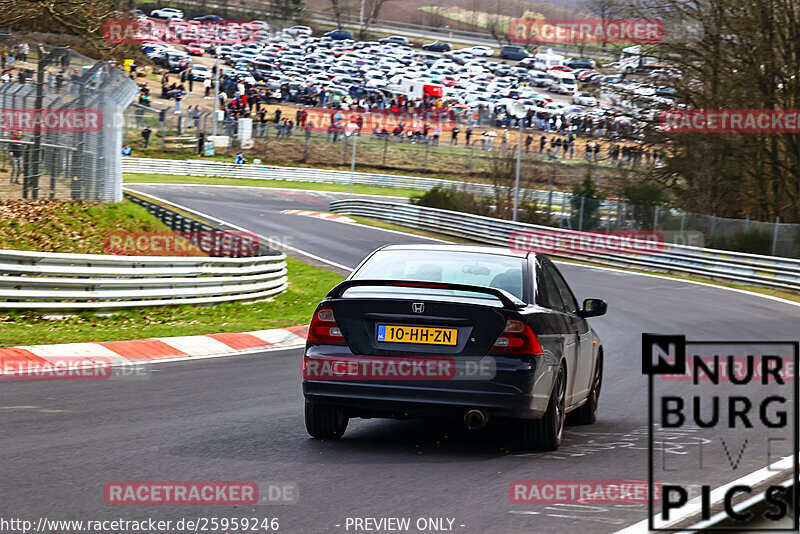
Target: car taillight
[(324, 329), (517, 338)]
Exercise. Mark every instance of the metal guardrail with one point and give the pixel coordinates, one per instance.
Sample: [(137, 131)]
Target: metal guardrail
[(301, 174), (69, 282), (764, 271), (235, 247)]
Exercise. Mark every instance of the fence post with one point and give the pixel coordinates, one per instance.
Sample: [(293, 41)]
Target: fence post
[(775, 236), (471, 154), (655, 220), (747, 222), (713, 227), (580, 215), (683, 220), (385, 148), (427, 149)]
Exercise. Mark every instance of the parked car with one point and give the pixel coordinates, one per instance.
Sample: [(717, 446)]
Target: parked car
[(395, 39), (209, 18), (583, 98), (581, 63), (513, 52), (437, 46), (167, 13), (474, 306), (195, 50), (199, 73), (339, 35), (481, 51), (305, 30)]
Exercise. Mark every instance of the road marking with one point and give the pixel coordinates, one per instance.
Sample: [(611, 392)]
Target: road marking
[(695, 505), (242, 229)]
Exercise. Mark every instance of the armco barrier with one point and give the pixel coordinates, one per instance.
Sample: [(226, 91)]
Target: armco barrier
[(765, 271), (55, 281), (301, 174)]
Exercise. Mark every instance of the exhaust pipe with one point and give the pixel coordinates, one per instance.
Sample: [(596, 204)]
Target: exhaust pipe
[(475, 419)]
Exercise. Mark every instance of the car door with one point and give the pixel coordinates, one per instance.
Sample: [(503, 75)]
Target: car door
[(549, 296), (584, 348)]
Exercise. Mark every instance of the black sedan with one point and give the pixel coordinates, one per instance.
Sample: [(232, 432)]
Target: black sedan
[(438, 46), (451, 331), (209, 18)]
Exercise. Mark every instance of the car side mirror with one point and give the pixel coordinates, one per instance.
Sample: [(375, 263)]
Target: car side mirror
[(593, 308)]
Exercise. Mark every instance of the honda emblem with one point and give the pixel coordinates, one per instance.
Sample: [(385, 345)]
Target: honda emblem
[(418, 307)]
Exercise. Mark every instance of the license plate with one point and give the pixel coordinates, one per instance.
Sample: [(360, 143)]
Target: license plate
[(417, 334)]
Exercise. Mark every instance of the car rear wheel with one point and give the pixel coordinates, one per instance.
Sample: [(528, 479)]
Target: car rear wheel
[(324, 421), (587, 414), (545, 434)]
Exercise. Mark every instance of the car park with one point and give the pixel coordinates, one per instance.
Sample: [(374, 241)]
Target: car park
[(475, 307)]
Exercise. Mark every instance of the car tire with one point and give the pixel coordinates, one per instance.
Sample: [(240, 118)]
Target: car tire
[(324, 421), (545, 434), (587, 414)]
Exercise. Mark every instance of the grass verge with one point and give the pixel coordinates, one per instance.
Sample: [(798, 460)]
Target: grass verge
[(220, 180), (78, 227), (307, 286)]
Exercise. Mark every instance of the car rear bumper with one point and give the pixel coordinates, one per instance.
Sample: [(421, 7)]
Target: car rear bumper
[(516, 389)]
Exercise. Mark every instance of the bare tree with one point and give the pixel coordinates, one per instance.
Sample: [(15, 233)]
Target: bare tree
[(82, 18), (371, 10), (746, 55), (604, 10), (342, 9)]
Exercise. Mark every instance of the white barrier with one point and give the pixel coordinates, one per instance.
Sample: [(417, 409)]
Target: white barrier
[(55, 281)]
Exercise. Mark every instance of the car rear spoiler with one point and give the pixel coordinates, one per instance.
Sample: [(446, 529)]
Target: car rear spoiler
[(508, 300)]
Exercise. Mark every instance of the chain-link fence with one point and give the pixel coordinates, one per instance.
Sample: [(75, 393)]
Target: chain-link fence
[(61, 127), (677, 226)]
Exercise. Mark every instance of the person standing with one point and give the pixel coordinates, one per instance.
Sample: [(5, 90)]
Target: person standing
[(454, 136), (16, 152), (146, 136), (207, 86), (468, 135)]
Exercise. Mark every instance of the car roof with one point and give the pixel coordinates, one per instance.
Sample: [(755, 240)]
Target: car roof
[(480, 249)]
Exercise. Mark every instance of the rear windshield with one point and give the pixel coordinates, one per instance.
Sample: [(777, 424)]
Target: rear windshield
[(471, 268)]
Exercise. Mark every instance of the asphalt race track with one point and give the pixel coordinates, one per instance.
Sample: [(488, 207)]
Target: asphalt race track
[(241, 418)]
